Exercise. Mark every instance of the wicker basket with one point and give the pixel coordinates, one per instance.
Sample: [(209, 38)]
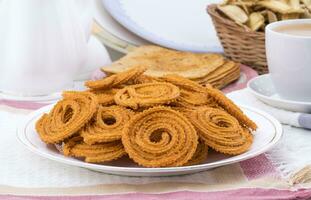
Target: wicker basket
[(240, 45)]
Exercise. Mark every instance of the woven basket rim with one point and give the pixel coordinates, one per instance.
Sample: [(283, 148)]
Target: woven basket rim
[(212, 10), (241, 44)]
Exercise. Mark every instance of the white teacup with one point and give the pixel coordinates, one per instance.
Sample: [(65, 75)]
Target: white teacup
[(289, 58)]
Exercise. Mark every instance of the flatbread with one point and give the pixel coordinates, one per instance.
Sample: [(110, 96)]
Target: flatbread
[(222, 76), (161, 61)]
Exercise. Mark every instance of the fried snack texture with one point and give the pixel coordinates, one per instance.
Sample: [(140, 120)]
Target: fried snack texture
[(67, 117), (116, 79), (147, 95), (96, 153), (160, 137), (105, 97), (220, 131), (191, 93), (200, 154), (167, 121), (230, 107), (107, 125)]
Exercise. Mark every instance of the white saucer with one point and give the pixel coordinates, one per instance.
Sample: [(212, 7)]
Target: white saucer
[(78, 85), (262, 87), (267, 135), (182, 25)]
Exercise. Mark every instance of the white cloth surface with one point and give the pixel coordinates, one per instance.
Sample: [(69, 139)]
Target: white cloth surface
[(285, 117), (291, 154)]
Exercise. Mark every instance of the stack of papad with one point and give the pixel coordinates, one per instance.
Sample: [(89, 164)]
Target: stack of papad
[(205, 68)]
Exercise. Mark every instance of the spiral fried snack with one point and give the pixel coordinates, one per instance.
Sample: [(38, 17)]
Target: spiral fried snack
[(191, 98), (187, 111), (105, 97), (191, 93), (183, 83), (221, 131), (147, 95), (107, 125), (96, 153), (67, 117), (160, 137), (212, 96), (116, 80), (231, 108), (200, 154), (145, 79)]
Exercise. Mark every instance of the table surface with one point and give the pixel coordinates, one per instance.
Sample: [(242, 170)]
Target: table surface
[(256, 178)]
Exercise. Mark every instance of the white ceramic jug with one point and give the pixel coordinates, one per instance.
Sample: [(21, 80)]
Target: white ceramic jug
[(43, 44)]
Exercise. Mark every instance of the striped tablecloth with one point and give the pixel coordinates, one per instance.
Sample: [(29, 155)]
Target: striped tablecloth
[(256, 178)]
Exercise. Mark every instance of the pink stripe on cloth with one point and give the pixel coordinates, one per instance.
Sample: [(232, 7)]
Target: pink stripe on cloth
[(22, 104), (242, 83), (240, 194), (258, 167)]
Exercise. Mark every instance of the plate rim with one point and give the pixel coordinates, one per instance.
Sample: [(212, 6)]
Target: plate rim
[(98, 14), (114, 9), (101, 35), (269, 98), (20, 135)]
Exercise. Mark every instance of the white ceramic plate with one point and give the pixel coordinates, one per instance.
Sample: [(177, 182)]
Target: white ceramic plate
[(178, 24), (267, 135), (262, 87), (112, 33)]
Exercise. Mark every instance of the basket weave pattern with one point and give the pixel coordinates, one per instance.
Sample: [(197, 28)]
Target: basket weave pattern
[(240, 45)]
